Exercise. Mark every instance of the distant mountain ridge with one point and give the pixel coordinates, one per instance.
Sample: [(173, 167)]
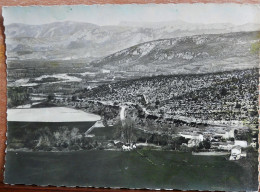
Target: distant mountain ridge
[(73, 40), (192, 54)]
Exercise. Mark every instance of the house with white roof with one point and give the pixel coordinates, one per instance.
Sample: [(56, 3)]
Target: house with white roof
[(235, 153), (241, 143)]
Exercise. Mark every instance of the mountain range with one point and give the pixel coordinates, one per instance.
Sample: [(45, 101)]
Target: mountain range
[(73, 40), (191, 54)]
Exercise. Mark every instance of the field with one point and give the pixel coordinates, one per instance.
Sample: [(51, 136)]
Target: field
[(134, 169)]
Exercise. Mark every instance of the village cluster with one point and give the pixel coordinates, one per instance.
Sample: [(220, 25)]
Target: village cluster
[(216, 140), (220, 142)]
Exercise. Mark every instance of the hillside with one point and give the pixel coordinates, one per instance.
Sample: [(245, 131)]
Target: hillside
[(226, 96), (193, 54)]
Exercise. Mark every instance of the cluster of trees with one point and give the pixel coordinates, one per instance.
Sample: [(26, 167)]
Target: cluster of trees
[(61, 139), (17, 96), (206, 144)]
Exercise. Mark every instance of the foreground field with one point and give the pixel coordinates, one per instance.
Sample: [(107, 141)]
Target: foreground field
[(135, 169)]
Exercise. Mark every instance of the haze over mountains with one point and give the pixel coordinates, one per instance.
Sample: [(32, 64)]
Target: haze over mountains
[(73, 40)]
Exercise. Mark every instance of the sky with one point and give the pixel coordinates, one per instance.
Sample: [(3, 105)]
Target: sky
[(236, 14)]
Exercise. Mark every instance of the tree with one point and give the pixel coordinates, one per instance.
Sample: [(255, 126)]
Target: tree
[(206, 144), (74, 98), (50, 97), (178, 141), (17, 96), (223, 91), (128, 128), (238, 105)]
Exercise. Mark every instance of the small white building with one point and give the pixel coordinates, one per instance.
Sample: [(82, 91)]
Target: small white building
[(194, 139), (192, 136), (226, 134), (105, 71), (193, 142), (241, 143), (227, 147), (235, 153)]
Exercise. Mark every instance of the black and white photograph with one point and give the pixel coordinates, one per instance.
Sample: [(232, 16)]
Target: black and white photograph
[(136, 96)]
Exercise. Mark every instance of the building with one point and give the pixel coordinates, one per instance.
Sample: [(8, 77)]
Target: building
[(226, 146), (226, 134), (193, 142), (192, 136), (105, 71), (235, 153), (241, 143)]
